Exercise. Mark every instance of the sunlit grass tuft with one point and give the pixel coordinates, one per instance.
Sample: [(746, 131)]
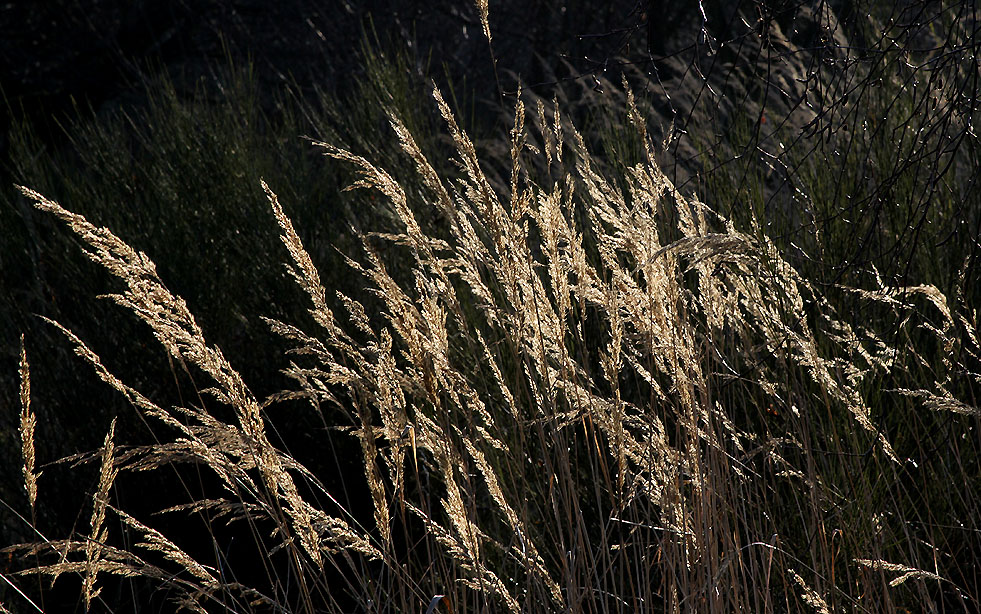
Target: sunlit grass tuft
[(580, 391)]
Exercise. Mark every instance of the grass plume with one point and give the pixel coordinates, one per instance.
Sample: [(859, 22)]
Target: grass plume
[(27, 424), (615, 399)]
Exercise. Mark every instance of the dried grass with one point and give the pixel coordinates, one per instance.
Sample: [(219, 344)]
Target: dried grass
[(27, 424), (559, 358)]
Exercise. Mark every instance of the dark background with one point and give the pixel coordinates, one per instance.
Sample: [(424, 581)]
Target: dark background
[(57, 54)]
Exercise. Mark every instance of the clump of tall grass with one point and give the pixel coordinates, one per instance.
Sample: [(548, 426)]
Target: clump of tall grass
[(567, 395)]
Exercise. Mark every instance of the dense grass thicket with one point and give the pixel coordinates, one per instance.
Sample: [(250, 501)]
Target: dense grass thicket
[(586, 362)]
